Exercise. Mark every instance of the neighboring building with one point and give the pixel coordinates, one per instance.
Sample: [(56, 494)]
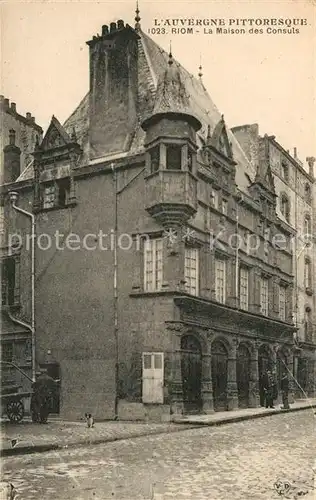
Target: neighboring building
[(169, 320), (295, 187), (17, 141)]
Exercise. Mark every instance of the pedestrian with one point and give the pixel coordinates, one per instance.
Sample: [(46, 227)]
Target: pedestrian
[(269, 389), (44, 388), (285, 391)]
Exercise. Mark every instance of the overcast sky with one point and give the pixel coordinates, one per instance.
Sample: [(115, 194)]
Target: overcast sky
[(268, 79)]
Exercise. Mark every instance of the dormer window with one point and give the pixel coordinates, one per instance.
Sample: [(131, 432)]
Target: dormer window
[(56, 194), (307, 193), (174, 154), (154, 159), (285, 170)]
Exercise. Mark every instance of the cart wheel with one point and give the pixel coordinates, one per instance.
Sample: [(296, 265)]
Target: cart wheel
[(15, 411)]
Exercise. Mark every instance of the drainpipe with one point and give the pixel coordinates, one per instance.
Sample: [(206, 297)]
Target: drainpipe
[(117, 192), (14, 198)]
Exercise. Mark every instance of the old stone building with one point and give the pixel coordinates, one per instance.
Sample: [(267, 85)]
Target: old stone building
[(159, 286), (295, 189), (17, 141)]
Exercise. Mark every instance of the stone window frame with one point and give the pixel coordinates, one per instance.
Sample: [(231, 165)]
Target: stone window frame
[(15, 288), (220, 258), (265, 279), (156, 282), (59, 186), (285, 170), (307, 193), (189, 288), (285, 206), (242, 267), (282, 301), (308, 275)]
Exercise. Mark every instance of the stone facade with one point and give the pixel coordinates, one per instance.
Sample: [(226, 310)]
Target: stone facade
[(295, 187), (160, 313)]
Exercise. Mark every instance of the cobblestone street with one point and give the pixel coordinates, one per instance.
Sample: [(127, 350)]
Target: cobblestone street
[(236, 461)]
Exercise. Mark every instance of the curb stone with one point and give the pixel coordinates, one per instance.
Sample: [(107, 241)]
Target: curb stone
[(183, 426)]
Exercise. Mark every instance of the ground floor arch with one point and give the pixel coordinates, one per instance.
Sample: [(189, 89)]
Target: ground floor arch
[(243, 368), (219, 359), (191, 373), (265, 362)]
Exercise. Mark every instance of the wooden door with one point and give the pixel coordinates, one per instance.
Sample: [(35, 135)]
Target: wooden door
[(191, 373), (219, 376), (153, 377), (243, 376), (264, 364)]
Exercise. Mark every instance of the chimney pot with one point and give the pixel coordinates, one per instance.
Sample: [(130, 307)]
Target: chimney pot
[(120, 24), (6, 103), (32, 119), (112, 27), (28, 116), (11, 159), (13, 107), (295, 152), (105, 30)]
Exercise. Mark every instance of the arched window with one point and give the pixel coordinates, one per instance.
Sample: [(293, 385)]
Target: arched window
[(308, 274), (308, 193), (285, 207)]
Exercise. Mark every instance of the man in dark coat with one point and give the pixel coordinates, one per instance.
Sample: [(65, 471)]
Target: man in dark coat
[(269, 389), (285, 385), (44, 388)]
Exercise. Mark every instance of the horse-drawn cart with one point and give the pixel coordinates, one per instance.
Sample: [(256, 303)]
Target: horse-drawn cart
[(12, 395)]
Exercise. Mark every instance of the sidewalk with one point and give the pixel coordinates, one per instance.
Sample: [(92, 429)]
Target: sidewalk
[(27, 437)]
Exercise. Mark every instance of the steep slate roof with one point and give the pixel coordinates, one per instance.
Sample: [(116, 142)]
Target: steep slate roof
[(152, 65)]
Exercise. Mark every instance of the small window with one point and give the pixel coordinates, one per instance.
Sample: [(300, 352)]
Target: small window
[(285, 207), (174, 157), (214, 198), (147, 361), (243, 288), (308, 274), (190, 160), (154, 159), (220, 280), (264, 296), (49, 196), (285, 170), (153, 264), (282, 303), (307, 224), (191, 270), (8, 278), (7, 352), (308, 193), (158, 361), (224, 207), (63, 192)]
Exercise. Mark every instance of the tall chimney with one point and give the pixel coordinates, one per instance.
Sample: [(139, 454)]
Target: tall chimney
[(113, 89), (11, 156), (295, 153), (310, 161)]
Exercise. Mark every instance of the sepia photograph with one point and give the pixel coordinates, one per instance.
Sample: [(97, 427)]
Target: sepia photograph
[(158, 249)]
